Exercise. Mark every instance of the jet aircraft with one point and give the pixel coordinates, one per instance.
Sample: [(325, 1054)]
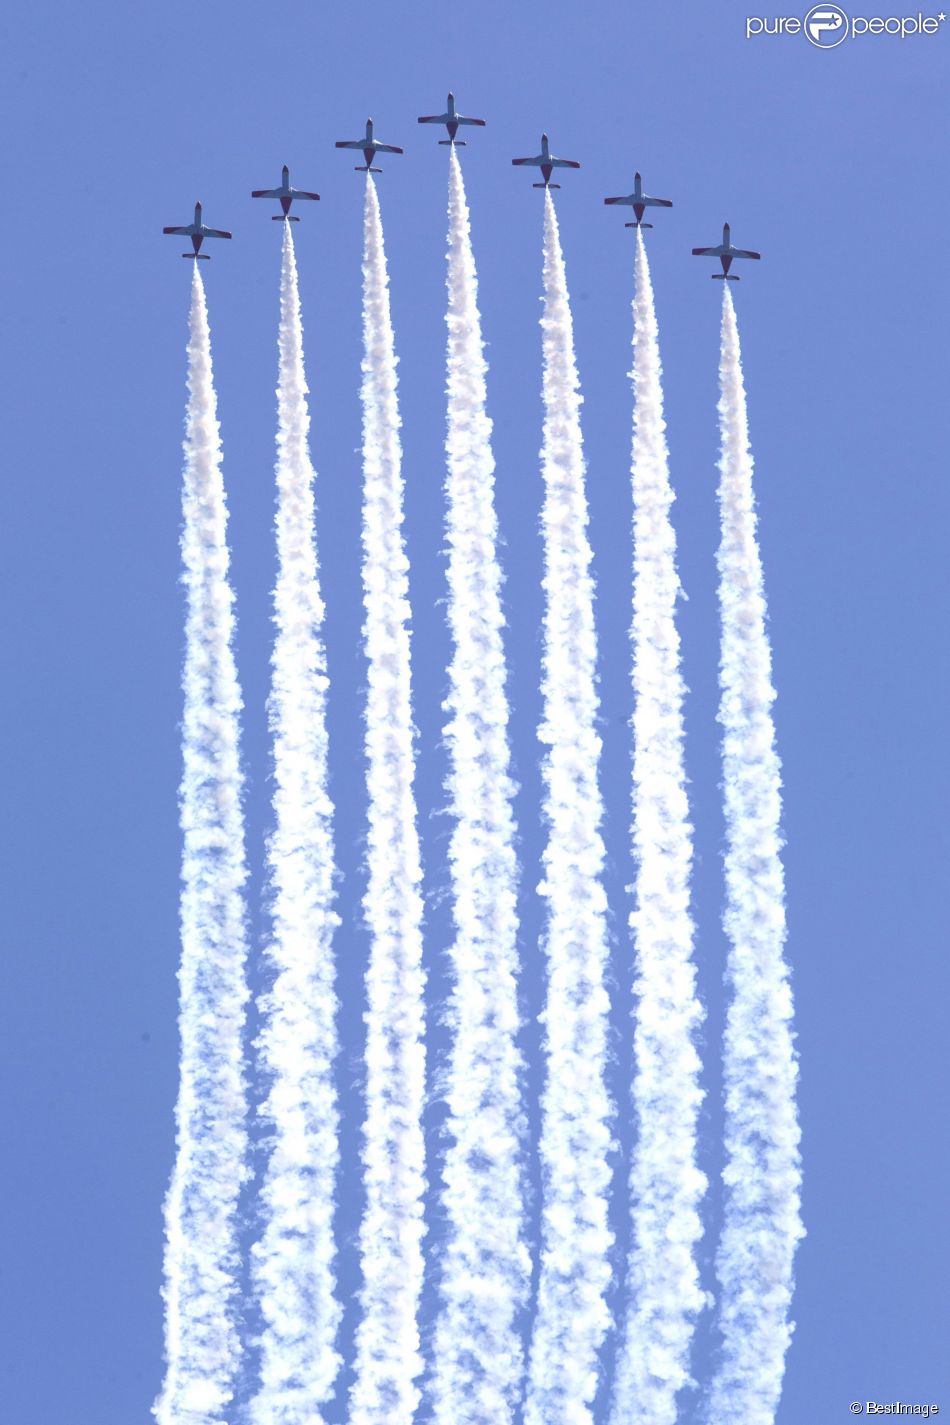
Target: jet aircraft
[(638, 201), (546, 161), (370, 147), (725, 252), (285, 195), (197, 232), (451, 119)]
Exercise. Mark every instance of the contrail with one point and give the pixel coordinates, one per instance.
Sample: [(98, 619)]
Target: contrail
[(293, 1263), (201, 1252), (388, 1357), (763, 1173), (572, 1316), (485, 1268), (666, 1186)]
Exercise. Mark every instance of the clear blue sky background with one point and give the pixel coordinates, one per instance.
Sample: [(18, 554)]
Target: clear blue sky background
[(114, 119)]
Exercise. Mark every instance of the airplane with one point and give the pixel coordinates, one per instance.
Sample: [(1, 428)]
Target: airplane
[(546, 161), (370, 146), (638, 200), (451, 119), (725, 252), (285, 195), (197, 232)]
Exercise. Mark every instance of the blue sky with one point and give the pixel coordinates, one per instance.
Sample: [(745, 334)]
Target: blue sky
[(115, 118)]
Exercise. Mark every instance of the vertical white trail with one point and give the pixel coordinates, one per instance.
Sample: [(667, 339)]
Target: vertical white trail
[(762, 1176), (572, 1317), (293, 1263), (201, 1253), (388, 1356), (485, 1268), (666, 1186)]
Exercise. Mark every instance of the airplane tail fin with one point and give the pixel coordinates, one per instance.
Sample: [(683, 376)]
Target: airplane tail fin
[(364, 168), (459, 143), (545, 185), (723, 277), (284, 218), (638, 225), (197, 256)]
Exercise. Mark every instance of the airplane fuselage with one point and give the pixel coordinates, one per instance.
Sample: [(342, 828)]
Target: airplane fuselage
[(369, 147), (197, 231), (452, 120), (285, 194), (726, 251)]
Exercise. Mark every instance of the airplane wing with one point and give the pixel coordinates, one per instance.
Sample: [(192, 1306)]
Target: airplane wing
[(618, 200), (266, 193), (563, 163), (352, 143), (299, 193), (437, 119), (215, 232), (658, 202), (535, 161), (740, 252), (179, 232), (707, 251), (460, 120), (387, 148)]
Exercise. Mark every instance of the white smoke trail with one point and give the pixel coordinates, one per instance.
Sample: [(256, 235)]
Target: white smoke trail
[(666, 1186), (201, 1254), (762, 1174), (484, 1261), (572, 1316), (293, 1261), (388, 1358)]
